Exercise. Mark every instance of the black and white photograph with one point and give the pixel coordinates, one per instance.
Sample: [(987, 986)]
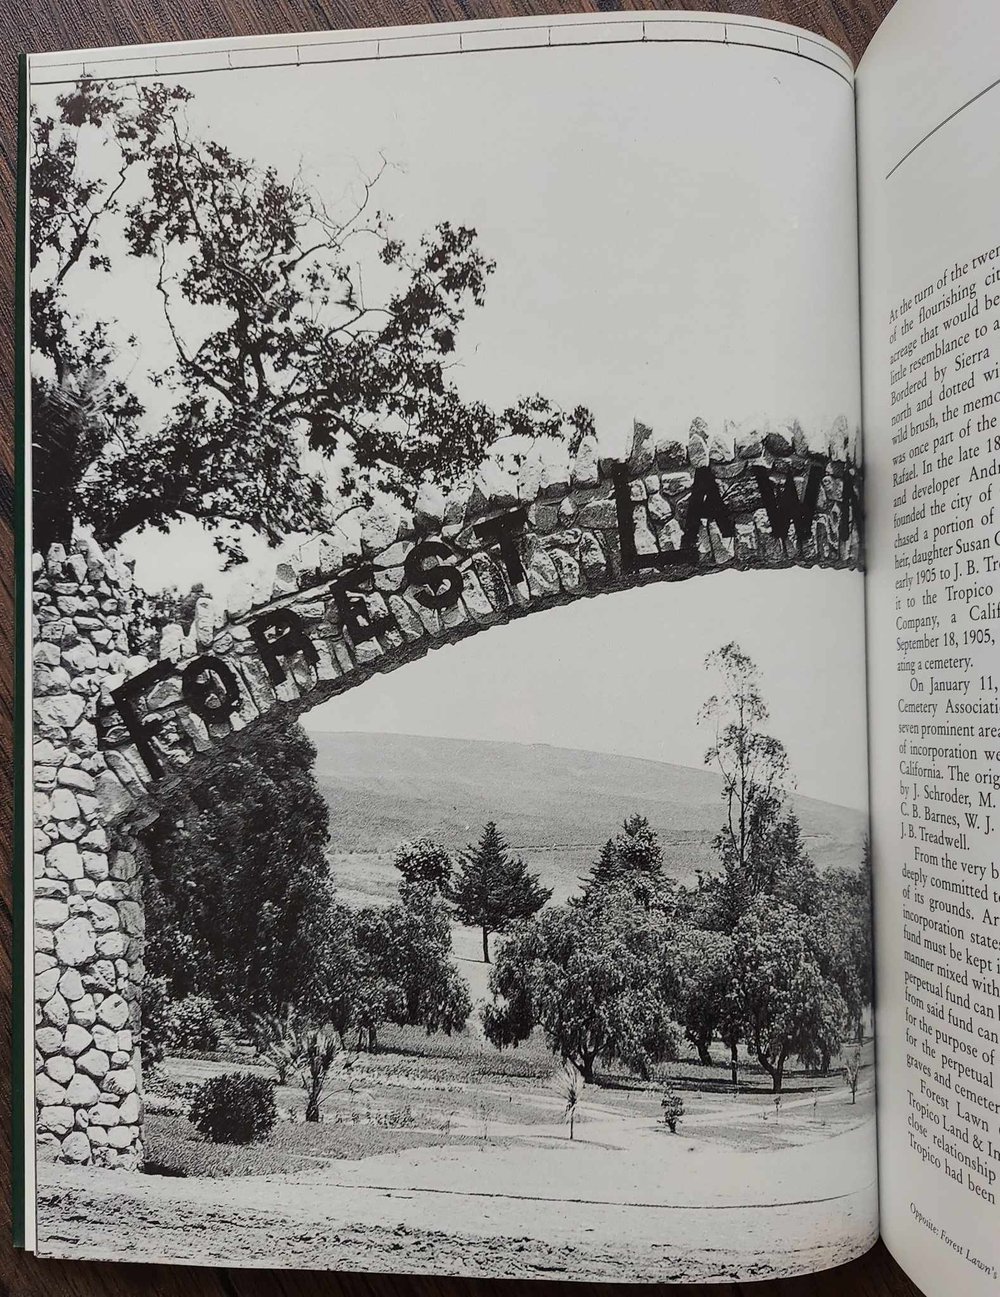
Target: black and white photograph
[(448, 714)]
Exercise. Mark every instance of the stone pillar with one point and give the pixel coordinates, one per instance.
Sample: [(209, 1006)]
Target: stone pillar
[(87, 907)]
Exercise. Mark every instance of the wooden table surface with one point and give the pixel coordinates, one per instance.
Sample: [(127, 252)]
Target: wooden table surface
[(35, 25)]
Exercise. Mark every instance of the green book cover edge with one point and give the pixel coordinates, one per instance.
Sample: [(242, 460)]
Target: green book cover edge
[(19, 1026)]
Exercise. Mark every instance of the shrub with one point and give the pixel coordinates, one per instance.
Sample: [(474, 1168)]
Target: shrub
[(275, 1038), (194, 1024), (236, 1108), (314, 1055), (673, 1109), (571, 1087)]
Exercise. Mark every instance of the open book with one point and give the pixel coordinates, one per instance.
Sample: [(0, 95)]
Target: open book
[(390, 901)]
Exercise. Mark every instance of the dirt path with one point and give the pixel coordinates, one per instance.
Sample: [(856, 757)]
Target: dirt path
[(124, 1228), (663, 1207), (736, 1111)]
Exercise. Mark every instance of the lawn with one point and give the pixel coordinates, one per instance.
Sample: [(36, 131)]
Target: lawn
[(424, 1092), (174, 1147)]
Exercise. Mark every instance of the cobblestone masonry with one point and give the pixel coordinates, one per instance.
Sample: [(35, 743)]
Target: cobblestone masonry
[(116, 734), (87, 910)]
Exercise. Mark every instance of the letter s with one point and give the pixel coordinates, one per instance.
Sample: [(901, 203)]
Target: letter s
[(444, 579)]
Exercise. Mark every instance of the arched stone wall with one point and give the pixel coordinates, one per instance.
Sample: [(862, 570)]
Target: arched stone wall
[(117, 735)]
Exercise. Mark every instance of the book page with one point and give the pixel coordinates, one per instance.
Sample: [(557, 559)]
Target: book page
[(449, 725), (928, 117)]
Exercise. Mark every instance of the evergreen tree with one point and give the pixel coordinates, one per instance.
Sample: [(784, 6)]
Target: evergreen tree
[(239, 901), (632, 859), (494, 889)]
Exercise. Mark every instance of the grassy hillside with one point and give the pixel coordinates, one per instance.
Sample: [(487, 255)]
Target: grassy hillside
[(556, 806)]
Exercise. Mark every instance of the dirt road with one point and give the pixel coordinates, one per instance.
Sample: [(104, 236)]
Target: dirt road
[(660, 1207)]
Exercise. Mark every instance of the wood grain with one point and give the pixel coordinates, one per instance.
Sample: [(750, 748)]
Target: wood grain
[(69, 24)]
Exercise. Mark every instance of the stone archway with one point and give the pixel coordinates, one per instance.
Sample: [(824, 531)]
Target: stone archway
[(116, 735)]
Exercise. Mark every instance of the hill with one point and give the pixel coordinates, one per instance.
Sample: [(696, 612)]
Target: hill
[(556, 806)]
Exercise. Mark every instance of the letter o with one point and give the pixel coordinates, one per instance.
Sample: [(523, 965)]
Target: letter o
[(215, 698)]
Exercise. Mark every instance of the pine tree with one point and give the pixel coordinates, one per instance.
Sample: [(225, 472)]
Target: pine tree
[(494, 889), (633, 858)]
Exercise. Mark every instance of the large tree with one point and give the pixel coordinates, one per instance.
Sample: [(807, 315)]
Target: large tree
[(493, 889), (755, 778), (410, 943), (703, 962), (755, 782), (843, 930), (402, 967), (239, 901), (281, 357), (786, 1004), (597, 978)]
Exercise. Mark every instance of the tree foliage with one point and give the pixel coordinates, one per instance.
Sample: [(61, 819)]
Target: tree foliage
[(154, 1005), (843, 932), (633, 858), (494, 889), (765, 951), (288, 376), (424, 862), (765, 867), (703, 964), (594, 978), (755, 778), (402, 969), (194, 1025), (785, 1004), (239, 902), (408, 945)]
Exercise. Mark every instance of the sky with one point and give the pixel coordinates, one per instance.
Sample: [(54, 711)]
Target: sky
[(625, 673)]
